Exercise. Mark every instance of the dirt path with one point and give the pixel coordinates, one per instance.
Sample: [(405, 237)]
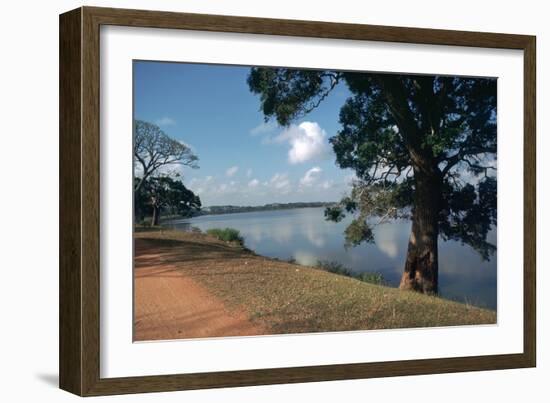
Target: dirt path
[(170, 305), (190, 285)]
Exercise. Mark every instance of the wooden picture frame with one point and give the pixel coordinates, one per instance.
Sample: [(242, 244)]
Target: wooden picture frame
[(79, 346)]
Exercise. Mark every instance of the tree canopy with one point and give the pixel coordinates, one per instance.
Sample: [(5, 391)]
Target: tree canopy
[(154, 149), (412, 140), (164, 193), (154, 189)]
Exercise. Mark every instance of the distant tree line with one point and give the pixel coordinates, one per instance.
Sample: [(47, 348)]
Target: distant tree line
[(228, 209)]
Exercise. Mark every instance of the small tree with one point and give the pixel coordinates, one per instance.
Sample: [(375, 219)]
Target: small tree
[(421, 147), (154, 149), (163, 192)]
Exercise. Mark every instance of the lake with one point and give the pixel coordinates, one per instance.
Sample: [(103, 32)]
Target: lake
[(304, 235)]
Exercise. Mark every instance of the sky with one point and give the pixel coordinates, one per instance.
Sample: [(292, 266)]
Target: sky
[(242, 159)]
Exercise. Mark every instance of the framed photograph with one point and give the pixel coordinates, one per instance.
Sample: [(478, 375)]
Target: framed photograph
[(249, 201)]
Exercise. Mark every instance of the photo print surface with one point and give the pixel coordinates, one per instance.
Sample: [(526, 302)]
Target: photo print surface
[(272, 200)]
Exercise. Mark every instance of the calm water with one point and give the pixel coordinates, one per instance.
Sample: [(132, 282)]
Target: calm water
[(303, 234)]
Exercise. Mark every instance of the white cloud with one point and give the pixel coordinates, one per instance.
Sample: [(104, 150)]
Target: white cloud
[(264, 128), (280, 182), (281, 233), (388, 247), (388, 239), (200, 185), (249, 173), (227, 187), (311, 176), (313, 185), (307, 142), (314, 236), (231, 171), (305, 258), (327, 184), (350, 179), (165, 121)]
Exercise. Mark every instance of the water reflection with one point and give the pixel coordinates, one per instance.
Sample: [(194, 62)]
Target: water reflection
[(304, 235)]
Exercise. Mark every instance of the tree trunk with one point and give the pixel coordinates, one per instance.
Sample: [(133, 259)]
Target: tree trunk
[(421, 267), (156, 215)]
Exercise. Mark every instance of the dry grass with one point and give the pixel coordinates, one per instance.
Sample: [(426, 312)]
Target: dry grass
[(288, 298)]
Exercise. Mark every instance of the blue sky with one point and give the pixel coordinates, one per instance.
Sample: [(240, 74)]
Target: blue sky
[(243, 161)]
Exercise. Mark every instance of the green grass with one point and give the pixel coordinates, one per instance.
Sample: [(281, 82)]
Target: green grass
[(337, 268), (226, 234)]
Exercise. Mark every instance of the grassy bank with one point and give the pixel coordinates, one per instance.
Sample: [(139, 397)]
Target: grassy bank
[(226, 234), (288, 298)]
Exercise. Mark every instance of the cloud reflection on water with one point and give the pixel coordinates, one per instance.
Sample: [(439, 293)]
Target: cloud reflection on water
[(303, 234)]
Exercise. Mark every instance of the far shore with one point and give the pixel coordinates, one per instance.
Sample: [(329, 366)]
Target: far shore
[(230, 209), (190, 284)]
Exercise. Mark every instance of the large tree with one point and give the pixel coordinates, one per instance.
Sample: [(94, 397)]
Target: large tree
[(154, 149), (422, 147)]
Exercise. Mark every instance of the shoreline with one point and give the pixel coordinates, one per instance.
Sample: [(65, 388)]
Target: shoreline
[(280, 297), (386, 281), (180, 219)]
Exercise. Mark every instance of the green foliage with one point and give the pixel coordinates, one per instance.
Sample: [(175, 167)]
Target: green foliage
[(358, 231), (334, 214), (167, 194), (338, 268), (226, 234), (395, 127), (373, 278), (334, 267), (470, 214), (286, 93)]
